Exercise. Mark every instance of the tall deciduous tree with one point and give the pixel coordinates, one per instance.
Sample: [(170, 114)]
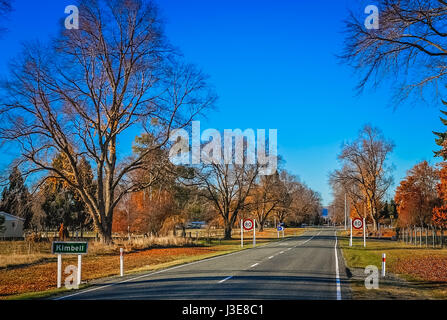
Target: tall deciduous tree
[(267, 195), (409, 45), (227, 187), (90, 87), (365, 173)]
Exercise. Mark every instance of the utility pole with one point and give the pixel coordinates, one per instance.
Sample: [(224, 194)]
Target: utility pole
[(345, 211)]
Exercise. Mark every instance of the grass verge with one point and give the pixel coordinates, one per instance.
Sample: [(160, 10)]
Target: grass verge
[(413, 272)]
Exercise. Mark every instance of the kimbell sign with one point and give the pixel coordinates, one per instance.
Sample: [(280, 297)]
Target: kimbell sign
[(70, 247)]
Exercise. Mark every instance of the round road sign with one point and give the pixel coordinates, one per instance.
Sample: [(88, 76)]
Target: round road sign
[(357, 223), (248, 224)]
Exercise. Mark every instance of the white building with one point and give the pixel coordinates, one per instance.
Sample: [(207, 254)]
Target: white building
[(13, 226)]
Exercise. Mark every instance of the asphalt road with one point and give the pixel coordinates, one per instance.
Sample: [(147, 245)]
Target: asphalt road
[(309, 266)]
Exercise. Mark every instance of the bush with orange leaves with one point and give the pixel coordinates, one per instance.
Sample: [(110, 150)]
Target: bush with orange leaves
[(439, 217)]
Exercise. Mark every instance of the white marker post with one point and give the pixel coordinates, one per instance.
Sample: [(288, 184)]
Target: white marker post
[(79, 269), (283, 233), (254, 232), (350, 238), (59, 270), (121, 262), (364, 233), (242, 233), (383, 264)]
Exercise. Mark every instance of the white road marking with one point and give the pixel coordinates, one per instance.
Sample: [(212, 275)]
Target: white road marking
[(147, 275), (281, 252), (164, 270), (254, 265), (337, 275), (271, 257), (227, 278)]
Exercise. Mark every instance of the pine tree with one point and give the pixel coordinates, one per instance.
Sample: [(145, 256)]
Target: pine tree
[(442, 137), (16, 198), (62, 203), (2, 222)]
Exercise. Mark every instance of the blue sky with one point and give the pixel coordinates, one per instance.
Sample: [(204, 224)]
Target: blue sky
[(273, 65)]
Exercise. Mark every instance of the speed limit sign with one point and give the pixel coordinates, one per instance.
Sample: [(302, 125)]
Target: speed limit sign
[(248, 224), (357, 223)]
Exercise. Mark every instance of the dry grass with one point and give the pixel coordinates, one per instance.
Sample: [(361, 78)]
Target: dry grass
[(42, 276), (99, 248), (19, 253), (23, 273)]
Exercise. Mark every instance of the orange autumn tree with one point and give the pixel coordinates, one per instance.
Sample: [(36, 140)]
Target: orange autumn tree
[(267, 196), (144, 212), (416, 196)]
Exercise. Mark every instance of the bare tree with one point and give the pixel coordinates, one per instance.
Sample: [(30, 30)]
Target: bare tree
[(365, 173), (227, 187), (306, 205), (410, 45), (79, 95), (356, 197), (267, 195), (337, 206), (298, 203)]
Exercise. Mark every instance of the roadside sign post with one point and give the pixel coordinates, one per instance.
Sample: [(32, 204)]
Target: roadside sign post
[(254, 233), (69, 247), (121, 262), (79, 269), (358, 224), (364, 233), (242, 234), (249, 224), (350, 238), (280, 228), (59, 271)]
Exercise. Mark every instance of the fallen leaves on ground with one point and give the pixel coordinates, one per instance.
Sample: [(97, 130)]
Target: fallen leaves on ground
[(43, 276), (427, 268)]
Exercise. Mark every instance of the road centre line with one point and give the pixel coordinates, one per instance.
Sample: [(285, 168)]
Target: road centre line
[(308, 239), (227, 278), (337, 274)]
